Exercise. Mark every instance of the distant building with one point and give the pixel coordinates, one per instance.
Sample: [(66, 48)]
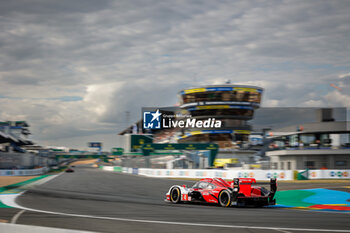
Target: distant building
[(14, 134), (17, 151), (320, 145)]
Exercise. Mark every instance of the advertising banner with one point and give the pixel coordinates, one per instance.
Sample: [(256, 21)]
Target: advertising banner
[(225, 174), (230, 174), (329, 174), (23, 172)]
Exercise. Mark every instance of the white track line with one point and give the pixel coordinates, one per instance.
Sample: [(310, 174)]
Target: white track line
[(10, 201), (35, 183), (16, 216), (283, 231)]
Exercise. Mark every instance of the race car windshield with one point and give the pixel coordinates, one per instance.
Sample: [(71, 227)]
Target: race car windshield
[(200, 185)]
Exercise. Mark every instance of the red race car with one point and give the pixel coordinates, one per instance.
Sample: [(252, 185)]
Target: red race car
[(239, 192)]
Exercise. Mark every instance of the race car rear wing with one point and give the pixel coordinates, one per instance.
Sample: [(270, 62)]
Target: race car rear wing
[(238, 182)]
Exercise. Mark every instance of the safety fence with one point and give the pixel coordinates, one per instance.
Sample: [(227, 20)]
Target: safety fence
[(24, 172), (229, 174)]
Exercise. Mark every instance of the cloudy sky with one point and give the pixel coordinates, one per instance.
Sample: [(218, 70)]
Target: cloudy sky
[(72, 69)]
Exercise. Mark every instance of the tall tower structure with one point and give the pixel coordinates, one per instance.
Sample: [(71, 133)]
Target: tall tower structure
[(234, 105)]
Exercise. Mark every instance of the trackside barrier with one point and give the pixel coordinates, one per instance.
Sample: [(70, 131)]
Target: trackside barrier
[(329, 174), (115, 169), (196, 173), (225, 174), (229, 174), (24, 172)]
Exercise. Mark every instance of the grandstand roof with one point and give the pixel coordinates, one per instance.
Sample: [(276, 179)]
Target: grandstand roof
[(7, 138)]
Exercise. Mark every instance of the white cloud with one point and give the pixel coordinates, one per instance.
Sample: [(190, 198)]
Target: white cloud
[(272, 103), (342, 76), (98, 97), (336, 98), (314, 103)]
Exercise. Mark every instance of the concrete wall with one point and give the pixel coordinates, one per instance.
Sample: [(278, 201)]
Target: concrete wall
[(331, 159)]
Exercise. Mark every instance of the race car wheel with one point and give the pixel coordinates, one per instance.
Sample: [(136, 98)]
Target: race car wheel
[(224, 198), (175, 195)]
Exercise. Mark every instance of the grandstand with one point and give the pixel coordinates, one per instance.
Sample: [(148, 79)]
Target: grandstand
[(17, 151)]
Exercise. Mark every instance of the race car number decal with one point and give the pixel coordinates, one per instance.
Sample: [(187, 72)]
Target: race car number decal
[(185, 197)]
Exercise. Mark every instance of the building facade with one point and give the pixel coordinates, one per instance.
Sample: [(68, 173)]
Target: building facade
[(318, 145)]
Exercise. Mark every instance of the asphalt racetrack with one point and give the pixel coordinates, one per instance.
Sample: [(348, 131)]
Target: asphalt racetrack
[(102, 201)]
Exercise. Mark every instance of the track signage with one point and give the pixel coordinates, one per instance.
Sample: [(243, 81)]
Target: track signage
[(147, 148)]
